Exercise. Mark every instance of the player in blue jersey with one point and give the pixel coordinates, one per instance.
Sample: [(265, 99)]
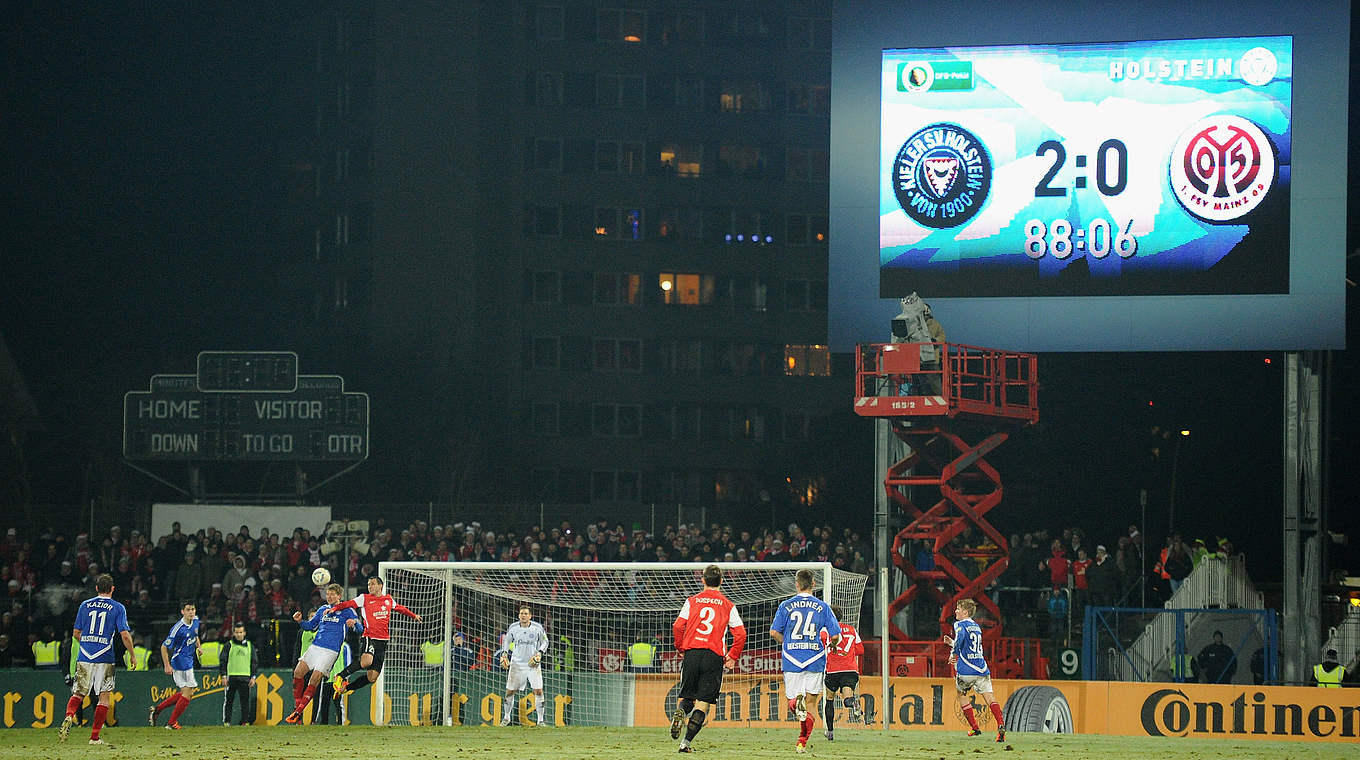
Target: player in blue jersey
[(177, 655), (331, 627), (98, 620), (970, 668), (797, 627)]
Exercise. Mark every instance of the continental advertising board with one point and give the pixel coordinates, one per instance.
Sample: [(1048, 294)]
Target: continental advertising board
[(36, 699), (1085, 707)]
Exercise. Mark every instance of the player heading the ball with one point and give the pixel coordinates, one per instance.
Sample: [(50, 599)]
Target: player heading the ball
[(700, 632), (797, 628), (177, 653), (377, 608), (98, 620), (521, 652), (970, 667), (319, 658)]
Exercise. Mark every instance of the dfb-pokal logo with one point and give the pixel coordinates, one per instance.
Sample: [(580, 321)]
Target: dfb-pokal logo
[(1222, 167), (942, 175)]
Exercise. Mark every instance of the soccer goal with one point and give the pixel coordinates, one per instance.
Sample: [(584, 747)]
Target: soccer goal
[(593, 613)]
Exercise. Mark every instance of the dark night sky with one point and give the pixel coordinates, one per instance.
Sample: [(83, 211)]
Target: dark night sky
[(140, 165)]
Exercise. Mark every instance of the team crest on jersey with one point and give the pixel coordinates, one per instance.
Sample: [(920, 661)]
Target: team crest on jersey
[(1222, 167), (942, 175)]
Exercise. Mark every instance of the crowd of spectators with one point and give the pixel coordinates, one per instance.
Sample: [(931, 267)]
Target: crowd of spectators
[(256, 576)]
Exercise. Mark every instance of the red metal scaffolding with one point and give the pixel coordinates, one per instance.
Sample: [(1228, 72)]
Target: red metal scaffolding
[(950, 414)]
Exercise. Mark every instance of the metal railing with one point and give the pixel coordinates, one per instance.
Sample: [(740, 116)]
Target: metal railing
[(1220, 583)]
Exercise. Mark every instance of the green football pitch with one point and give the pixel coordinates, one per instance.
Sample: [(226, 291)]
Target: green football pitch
[(367, 743)]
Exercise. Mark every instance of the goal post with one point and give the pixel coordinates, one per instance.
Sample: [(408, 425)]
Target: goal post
[(594, 614)]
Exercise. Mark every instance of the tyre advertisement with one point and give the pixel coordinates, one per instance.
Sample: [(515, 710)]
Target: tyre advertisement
[(1086, 707)]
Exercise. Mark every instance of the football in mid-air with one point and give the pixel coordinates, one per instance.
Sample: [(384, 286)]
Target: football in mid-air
[(321, 576)]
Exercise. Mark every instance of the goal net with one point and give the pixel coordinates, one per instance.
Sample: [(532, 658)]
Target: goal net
[(593, 613)]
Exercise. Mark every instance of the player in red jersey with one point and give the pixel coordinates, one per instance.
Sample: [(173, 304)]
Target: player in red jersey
[(842, 674), (376, 607), (701, 632)]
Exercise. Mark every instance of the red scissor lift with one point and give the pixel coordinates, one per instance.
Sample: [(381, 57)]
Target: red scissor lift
[(983, 395)]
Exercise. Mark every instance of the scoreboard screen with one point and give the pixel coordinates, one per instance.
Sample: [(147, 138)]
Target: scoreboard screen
[(176, 421), (1100, 169)]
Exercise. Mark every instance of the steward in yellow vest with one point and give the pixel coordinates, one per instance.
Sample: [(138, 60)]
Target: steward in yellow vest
[(641, 657), (1328, 673), (567, 660), (211, 656), (240, 663), (1183, 668), (143, 656), (46, 654), (433, 652)]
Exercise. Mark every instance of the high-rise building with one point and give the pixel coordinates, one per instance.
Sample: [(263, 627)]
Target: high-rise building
[(577, 251)]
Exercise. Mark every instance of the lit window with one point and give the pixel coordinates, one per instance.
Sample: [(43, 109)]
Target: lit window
[(618, 224), (744, 95), (686, 289), (735, 486), (684, 159), (807, 360), (621, 25)]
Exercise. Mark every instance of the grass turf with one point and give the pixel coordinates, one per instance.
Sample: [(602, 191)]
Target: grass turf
[(367, 743)]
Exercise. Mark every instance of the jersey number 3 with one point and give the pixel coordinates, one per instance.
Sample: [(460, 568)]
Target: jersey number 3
[(706, 617)]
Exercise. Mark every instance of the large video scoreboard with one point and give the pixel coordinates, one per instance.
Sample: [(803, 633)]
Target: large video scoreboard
[(245, 406), (1125, 168), (1165, 176)]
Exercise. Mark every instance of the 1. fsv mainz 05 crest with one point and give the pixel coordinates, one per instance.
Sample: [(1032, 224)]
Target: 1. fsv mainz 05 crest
[(1222, 167), (942, 175)]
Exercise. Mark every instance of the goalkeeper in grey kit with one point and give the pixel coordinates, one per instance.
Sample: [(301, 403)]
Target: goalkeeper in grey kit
[(521, 653)]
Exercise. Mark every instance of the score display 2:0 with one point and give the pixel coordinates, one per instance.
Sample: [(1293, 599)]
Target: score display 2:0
[(1056, 238)]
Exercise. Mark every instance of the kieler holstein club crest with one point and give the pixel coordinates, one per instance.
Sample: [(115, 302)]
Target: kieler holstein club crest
[(942, 175)]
